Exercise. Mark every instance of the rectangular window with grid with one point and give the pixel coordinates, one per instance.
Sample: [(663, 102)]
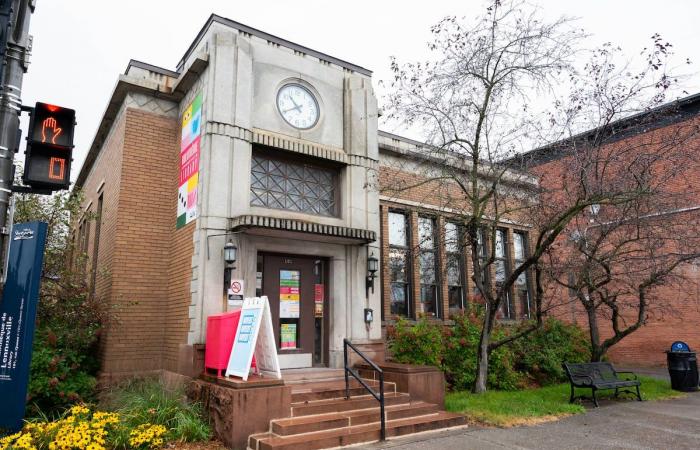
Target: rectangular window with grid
[(281, 183), (427, 260), (522, 285), (454, 260), (502, 271), (399, 273)]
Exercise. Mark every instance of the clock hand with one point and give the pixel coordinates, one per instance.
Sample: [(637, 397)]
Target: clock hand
[(297, 107), (295, 103)]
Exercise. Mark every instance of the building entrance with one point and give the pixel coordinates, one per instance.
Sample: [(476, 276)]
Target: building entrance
[(297, 289)]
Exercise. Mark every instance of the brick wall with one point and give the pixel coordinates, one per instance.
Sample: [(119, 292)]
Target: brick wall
[(105, 180), (675, 310), (146, 261)]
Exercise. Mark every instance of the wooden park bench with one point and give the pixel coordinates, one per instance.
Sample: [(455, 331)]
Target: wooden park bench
[(599, 376)]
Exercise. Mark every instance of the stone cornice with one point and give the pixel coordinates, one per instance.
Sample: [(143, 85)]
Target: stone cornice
[(271, 139)]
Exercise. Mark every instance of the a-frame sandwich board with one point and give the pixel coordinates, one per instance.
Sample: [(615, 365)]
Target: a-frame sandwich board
[(254, 336)]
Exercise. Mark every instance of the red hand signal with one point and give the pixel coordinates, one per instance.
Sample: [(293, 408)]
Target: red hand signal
[(50, 123)]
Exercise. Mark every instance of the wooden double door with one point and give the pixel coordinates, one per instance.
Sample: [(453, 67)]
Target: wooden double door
[(297, 289)]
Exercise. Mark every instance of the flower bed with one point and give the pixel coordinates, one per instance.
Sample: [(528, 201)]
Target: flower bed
[(80, 428)]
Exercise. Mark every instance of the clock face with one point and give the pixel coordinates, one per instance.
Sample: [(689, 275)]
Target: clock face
[(298, 106)]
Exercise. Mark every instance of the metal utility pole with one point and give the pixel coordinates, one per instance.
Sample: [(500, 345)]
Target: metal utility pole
[(16, 47)]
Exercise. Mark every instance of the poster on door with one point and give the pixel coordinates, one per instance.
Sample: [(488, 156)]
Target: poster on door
[(318, 300), (288, 336), (289, 294)]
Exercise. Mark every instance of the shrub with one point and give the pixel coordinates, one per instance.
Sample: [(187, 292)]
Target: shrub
[(69, 316), (459, 362), (142, 401), (540, 354), (535, 359), (417, 344)]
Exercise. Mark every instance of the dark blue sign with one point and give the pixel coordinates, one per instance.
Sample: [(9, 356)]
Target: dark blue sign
[(17, 316)]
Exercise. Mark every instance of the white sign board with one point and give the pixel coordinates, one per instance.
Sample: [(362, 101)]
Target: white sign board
[(254, 336)]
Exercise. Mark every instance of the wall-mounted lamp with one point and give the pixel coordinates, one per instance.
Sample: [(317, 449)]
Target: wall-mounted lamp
[(230, 253), (372, 268)]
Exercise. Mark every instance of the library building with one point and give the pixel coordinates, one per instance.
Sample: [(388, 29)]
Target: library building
[(255, 169)]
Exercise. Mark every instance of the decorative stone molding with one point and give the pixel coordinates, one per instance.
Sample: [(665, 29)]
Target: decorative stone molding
[(225, 129), (302, 227), (316, 150)]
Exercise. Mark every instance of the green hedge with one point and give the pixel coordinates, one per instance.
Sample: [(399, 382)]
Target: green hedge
[(533, 360)]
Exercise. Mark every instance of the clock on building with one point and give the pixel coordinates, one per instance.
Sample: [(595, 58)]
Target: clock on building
[(298, 106)]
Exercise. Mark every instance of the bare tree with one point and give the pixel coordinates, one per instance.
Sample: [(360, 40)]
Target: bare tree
[(619, 256), (475, 102)]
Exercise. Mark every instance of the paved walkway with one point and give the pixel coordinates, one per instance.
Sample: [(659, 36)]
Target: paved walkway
[(666, 424)]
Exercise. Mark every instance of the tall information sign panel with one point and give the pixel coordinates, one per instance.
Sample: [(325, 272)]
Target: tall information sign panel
[(254, 337), (17, 316)]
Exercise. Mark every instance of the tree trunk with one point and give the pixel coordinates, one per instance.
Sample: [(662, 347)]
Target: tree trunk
[(482, 360), (596, 349)]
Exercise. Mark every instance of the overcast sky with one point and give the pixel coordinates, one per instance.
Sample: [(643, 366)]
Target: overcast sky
[(80, 46)]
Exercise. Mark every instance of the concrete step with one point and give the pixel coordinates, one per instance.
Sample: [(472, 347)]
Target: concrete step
[(296, 376), (342, 404), (321, 390), (338, 437), (307, 424)]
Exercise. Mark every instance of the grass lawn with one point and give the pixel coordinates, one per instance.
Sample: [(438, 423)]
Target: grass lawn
[(526, 407)]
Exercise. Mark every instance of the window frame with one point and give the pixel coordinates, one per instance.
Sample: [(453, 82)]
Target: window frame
[(508, 308), (408, 262), (516, 263), (457, 254), (435, 251)]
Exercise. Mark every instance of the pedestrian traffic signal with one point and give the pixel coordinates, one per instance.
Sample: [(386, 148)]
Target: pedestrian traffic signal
[(49, 147)]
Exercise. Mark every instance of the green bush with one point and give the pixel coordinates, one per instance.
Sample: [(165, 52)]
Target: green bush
[(421, 343), (459, 361), (535, 359), (142, 401), (69, 317), (541, 353)]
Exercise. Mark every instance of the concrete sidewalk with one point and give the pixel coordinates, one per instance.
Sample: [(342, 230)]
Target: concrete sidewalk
[(665, 424)]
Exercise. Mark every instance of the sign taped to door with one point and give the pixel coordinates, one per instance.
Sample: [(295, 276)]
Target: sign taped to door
[(254, 336), (289, 294)]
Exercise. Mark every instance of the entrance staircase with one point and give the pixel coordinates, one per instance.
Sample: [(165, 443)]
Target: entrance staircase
[(322, 417)]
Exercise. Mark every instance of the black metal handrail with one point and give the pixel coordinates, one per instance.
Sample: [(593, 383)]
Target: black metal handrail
[(378, 396)]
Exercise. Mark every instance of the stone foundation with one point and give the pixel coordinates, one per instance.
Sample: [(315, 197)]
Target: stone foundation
[(237, 409)]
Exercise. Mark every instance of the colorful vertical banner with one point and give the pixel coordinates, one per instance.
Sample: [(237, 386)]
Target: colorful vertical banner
[(17, 317), (289, 294), (189, 162), (288, 336)]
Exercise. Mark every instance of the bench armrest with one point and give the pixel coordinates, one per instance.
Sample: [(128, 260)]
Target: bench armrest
[(628, 373)]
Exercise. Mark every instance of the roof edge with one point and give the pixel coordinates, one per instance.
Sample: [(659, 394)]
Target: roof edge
[(269, 37)]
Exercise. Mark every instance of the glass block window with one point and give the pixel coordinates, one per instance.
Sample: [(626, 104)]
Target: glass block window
[(427, 260), (399, 271), (294, 186), (454, 266)]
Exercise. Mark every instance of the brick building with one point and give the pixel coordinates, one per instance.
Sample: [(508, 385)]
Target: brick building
[(673, 129), (273, 147)]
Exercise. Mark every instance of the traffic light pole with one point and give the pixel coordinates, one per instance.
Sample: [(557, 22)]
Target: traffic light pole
[(15, 63)]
